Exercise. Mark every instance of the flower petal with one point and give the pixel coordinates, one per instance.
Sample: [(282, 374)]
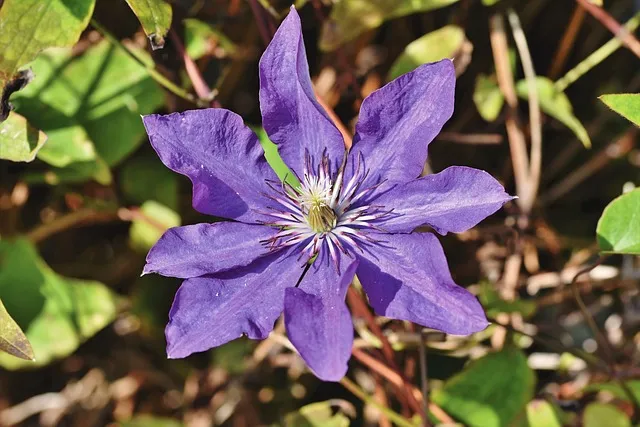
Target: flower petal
[(398, 121), (291, 115), (455, 199), (221, 156), (196, 250), (211, 310), (317, 319), (410, 280)]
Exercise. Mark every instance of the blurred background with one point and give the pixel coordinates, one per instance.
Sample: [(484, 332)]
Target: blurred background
[(79, 213)]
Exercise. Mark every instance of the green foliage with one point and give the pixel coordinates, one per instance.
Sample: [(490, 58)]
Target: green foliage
[(603, 414), (557, 105), (274, 159), (50, 23), (144, 177), (615, 389), (494, 304), (155, 17), (200, 36), (541, 413), (57, 313), (12, 339), (491, 391), (625, 104), (350, 18), (319, 414), (618, 229), (487, 97), (19, 141), (89, 106), (150, 223), (434, 46)]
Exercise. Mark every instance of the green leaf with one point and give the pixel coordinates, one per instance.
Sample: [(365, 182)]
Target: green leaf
[(618, 229), (489, 2), (200, 37), (155, 17), (491, 391), (29, 26), (150, 421), (494, 304), (603, 414), (434, 46), (487, 97), (557, 105), (274, 159), (19, 141), (350, 18), (615, 389), (90, 108), (319, 414), (151, 222), (57, 313), (12, 339), (144, 177), (541, 413), (625, 104)]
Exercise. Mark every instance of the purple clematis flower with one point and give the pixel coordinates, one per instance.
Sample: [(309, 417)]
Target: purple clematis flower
[(353, 213)]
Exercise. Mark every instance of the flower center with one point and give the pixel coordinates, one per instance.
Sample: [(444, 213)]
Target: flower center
[(324, 211), (321, 217)]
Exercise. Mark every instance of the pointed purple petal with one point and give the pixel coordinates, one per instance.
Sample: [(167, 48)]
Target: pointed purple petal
[(317, 319), (398, 121), (196, 250), (291, 115), (212, 310), (453, 200), (221, 156), (410, 280)]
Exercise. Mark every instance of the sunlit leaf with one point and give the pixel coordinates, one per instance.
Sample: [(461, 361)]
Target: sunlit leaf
[(150, 421), (150, 222), (350, 18), (603, 414), (90, 108), (625, 104), (489, 2), (487, 97), (200, 38), (541, 413), (57, 313), (155, 17), (434, 46), (319, 414), (19, 141), (491, 391), (29, 26), (557, 105), (274, 159), (619, 226), (12, 339)]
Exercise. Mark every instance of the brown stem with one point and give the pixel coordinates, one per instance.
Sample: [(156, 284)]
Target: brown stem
[(627, 38), (74, 219), (566, 44)]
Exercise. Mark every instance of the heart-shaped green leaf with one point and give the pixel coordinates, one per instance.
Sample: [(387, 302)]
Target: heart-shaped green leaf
[(618, 229), (19, 141)]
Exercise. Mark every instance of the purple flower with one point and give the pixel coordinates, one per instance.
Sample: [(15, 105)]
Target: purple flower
[(354, 213)]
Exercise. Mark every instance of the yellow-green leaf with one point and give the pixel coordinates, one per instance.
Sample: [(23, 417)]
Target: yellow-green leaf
[(619, 226), (442, 43), (19, 141), (557, 105), (625, 104), (350, 18), (29, 26), (487, 97), (199, 37), (153, 220), (603, 414), (155, 17), (12, 339)]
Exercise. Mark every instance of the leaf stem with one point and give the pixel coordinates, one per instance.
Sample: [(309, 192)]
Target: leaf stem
[(153, 72), (597, 56), (362, 395)]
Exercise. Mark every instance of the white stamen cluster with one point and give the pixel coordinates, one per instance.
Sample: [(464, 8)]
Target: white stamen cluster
[(321, 211)]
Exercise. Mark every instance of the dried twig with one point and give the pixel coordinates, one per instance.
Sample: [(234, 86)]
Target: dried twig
[(627, 38)]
